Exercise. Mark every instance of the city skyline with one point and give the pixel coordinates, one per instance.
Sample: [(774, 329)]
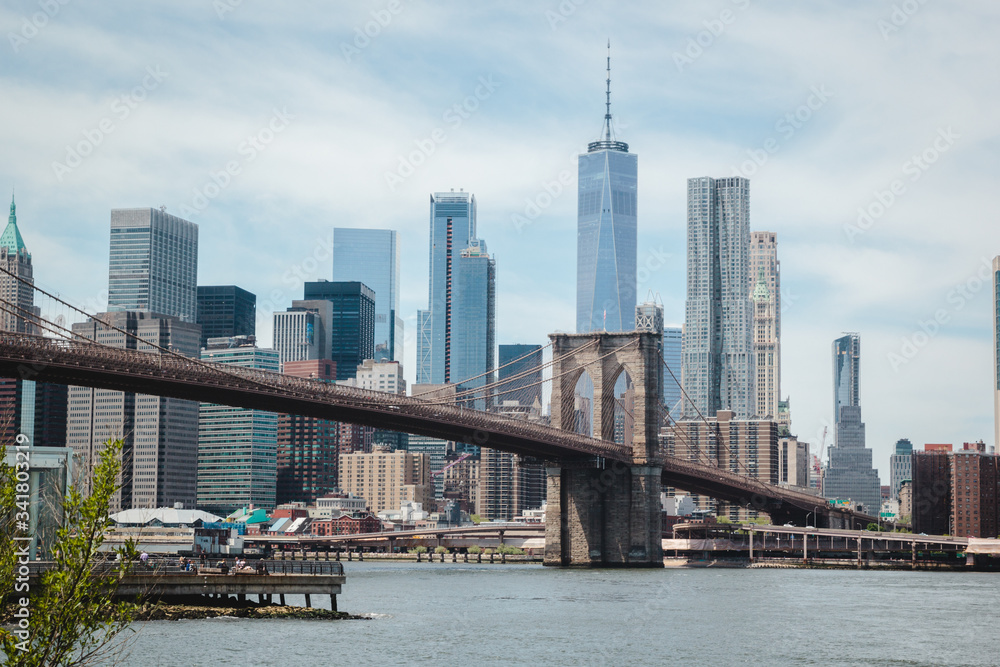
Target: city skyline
[(911, 285)]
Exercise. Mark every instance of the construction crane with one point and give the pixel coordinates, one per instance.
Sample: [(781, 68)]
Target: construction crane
[(453, 463)]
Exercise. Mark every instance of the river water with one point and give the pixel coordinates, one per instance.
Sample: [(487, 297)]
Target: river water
[(457, 614)]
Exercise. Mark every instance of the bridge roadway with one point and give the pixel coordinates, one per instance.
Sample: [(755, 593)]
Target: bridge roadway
[(92, 365)]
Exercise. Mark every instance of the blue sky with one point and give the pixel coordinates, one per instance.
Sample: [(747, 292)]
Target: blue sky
[(823, 105)]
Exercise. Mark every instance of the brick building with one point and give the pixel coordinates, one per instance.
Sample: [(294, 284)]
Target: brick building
[(956, 493)]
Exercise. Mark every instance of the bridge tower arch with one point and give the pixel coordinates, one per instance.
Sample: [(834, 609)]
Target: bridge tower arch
[(603, 513)]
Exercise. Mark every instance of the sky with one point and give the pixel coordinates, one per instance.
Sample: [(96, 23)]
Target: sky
[(868, 131)]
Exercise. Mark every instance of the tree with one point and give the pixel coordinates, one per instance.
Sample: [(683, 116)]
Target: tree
[(75, 616)]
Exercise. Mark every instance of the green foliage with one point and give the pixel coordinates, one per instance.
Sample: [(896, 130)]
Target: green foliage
[(75, 618), (872, 527), (761, 521), (8, 508), (440, 550), (476, 519), (475, 549), (510, 551), (418, 550), (722, 519)]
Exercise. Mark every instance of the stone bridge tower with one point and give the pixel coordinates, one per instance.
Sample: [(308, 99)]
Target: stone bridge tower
[(605, 513)]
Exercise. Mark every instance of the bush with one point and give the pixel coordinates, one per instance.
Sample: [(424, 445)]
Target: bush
[(418, 550), (474, 550), (509, 551), (440, 550)]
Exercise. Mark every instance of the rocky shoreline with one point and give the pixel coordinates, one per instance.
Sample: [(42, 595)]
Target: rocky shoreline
[(196, 608)]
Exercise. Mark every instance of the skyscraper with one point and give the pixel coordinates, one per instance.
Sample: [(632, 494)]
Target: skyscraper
[(900, 466), (302, 332), (521, 365), (606, 231), (766, 296), (160, 453), (996, 352), (226, 311), (672, 377), (457, 333), (718, 370), (16, 260), (154, 263), (237, 447), (371, 256), (352, 327), (849, 474)]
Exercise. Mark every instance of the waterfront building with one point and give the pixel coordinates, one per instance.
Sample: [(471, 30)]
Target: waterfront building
[(900, 466), (302, 332), (607, 215), (160, 434), (742, 446), (955, 493), (153, 263), (352, 328), (386, 479), (226, 311), (308, 448), (765, 292), (371, 256), (718, 363), (520, 374), (237, 447)]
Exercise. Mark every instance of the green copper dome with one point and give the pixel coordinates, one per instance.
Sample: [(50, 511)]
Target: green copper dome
[(760, 292), (11, 238)]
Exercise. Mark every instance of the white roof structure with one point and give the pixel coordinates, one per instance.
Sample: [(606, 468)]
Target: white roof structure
[(167, 516)]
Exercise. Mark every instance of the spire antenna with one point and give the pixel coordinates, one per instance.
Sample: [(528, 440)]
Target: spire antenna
[(607, 142), (607, 114)]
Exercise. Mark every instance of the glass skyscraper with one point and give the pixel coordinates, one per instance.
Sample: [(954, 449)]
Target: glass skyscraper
[(524, 361), (996, 352), (606, 233), (371, 256), (154, 263), (718, 369), (846, 372), (457, 332), (900, 466), (226, 311), (672, 378), (352, 323)]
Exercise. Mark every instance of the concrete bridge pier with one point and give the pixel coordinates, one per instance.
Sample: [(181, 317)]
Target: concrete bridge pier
[(604, 517)]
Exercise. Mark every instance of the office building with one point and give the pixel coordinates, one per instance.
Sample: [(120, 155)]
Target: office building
[(849, 473), (352, 328), (237, 447), (520, 374), (386, 479), (607, 215), (456, 338), (672, 371), (160, 434), (996, 352), (302, 332), (371, 256), (900, 466), (35, 410), (226, 311), (308, 447), (793, 461), (384, 376), (742, 446), (153, 263), (718, 364), (765, 292)]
